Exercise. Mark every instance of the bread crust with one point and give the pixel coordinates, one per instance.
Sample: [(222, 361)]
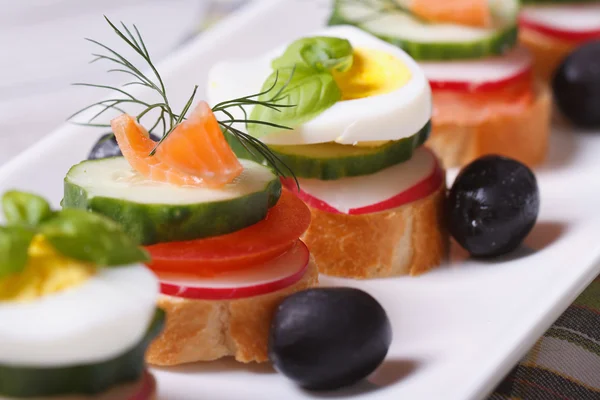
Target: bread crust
[(206, 330), (408, 240), (523, 136), (548, 52)]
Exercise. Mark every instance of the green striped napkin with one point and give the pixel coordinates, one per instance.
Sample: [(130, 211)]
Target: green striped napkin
[(565, 363)]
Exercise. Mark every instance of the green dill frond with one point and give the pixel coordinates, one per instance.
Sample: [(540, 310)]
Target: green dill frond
[(167, 119)]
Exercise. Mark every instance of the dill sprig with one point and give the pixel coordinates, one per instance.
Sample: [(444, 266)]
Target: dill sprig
[(168, 119), (251, 144)]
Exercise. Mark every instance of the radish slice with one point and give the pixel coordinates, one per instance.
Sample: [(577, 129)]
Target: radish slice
[(488, 74), (148, 388), (269, 277), (569, 22), (390, 188)]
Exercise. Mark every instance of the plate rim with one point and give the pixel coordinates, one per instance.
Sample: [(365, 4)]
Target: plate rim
[(486, 381)]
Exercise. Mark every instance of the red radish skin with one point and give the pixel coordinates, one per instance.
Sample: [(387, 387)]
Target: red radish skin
[(569, 36), (251, 246), (459, 86), (419, 191), (284, 271), (482, 75), (147, 390), (574, 23)]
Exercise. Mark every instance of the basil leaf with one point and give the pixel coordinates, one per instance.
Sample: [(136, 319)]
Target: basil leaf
[(321, 53), (310, 93), (91, 237), (14, 247), (22, 208)]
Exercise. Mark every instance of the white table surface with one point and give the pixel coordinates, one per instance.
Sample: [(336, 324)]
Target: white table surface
[(43, 51)]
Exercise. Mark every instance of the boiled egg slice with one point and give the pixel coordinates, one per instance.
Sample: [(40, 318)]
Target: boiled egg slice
[(97, 320), (385, 95)]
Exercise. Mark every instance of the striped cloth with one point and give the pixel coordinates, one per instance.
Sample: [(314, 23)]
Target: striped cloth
[(565, 363)]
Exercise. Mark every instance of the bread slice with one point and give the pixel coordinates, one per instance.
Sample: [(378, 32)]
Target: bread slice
[(522, 136), (548, 52), (205, 330), (408, 240)]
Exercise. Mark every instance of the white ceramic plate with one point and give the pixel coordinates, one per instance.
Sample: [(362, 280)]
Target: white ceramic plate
[(458, 330)]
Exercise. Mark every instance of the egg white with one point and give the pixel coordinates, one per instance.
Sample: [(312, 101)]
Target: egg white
[(96, 321), (390, 116)]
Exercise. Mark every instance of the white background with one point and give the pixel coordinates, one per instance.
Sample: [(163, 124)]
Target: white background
[(43, 51)]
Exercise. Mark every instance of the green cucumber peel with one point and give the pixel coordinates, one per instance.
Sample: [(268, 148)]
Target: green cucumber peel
[(88, 186), (302, 83), (89, 379), (332, 161), (310, 92), (370, 15), (76, 234)]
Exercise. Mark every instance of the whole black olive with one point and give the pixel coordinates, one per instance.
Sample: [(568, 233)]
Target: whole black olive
[(328, 338), (576, 86), (493, 205), (107, 147)]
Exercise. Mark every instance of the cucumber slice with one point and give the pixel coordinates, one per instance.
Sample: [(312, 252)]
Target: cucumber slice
[(425, 41), (330, 161), (154, 212), (91, 379)]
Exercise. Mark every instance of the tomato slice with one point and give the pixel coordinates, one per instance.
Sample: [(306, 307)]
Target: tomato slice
[(271, 276), (246, 248)]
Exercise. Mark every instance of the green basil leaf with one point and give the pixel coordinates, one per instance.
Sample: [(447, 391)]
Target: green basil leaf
[(321, 53), (309, 91), (22, 208), (14, 247), (91, 237)]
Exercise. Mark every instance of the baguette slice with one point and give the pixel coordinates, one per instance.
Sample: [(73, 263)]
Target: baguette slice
[(522, 136), (408, 240), (548, 52), (206, 330)]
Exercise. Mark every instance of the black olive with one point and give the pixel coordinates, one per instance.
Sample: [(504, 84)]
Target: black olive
[(493, 205), (576, 86), (328, 338), (107, 147)]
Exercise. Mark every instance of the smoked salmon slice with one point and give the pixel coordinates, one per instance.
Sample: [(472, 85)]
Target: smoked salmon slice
[(475, 13), (194, 154)]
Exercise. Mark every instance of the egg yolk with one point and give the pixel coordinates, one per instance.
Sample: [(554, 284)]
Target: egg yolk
[(373, 72), (46, 272)]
